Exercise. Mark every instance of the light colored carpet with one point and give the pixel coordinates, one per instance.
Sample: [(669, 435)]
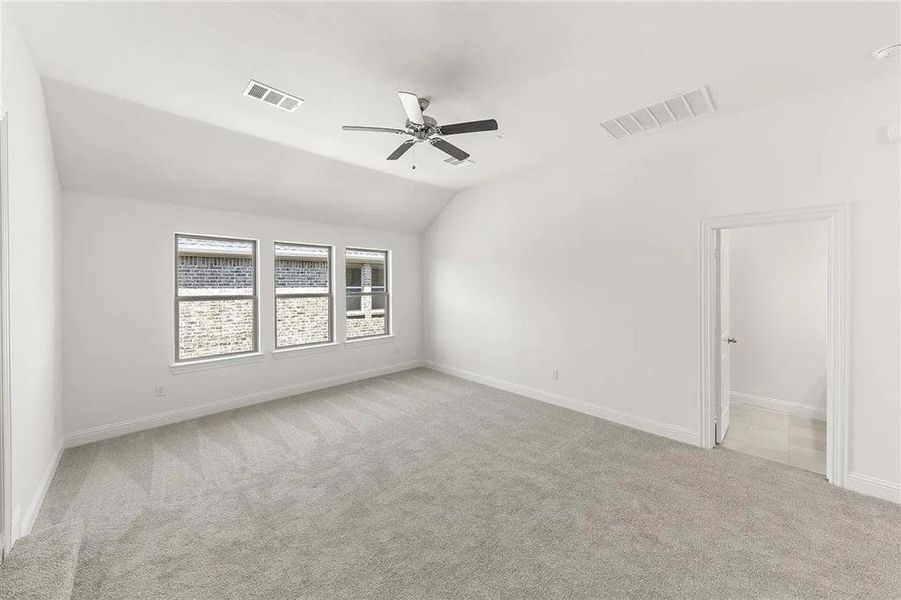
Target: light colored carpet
[(42, 565), (420, 485)]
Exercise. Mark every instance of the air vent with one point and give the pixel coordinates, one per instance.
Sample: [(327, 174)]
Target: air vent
[(459, 163), (681, 108), (272, 96)]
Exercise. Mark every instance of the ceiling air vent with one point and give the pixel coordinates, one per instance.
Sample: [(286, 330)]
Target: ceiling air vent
[(681, 108), (459, 163), (272, 96)]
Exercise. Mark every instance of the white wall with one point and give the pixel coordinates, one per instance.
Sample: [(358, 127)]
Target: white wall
[(778, 313), (118, 291), (591, 265), (34, 284)]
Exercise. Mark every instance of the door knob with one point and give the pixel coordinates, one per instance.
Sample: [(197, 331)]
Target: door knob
[(732, 340)]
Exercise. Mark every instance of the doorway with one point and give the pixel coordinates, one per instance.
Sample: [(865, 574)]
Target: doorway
[(772, 306), (814, 406)]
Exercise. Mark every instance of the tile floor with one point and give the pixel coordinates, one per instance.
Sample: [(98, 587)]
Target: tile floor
[(788, 439)]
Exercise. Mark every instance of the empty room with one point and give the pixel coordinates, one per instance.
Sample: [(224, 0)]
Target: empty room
[(450, 300)]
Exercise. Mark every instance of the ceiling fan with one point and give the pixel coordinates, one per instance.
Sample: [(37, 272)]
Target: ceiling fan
[(421, 128)]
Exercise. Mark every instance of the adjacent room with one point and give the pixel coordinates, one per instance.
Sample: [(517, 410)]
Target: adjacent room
[(450, 300), (773, 318)]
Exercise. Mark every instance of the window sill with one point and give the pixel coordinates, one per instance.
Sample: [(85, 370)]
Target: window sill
[(369, 341), (302, 350), (215, 363)]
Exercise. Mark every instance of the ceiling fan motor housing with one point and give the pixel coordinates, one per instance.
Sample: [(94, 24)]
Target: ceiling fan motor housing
[(424, 131)]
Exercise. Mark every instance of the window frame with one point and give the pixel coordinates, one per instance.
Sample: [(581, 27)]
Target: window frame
[(385, 293), (255, 297), (330, 295)]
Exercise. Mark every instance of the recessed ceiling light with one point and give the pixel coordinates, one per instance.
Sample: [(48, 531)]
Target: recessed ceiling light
[(890, 50), (272, 96)]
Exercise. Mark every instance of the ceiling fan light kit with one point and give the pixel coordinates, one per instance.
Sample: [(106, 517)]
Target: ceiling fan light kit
[(423, 128)]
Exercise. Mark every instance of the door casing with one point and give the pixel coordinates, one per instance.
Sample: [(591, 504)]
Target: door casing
[(836, 219), (5, 402)]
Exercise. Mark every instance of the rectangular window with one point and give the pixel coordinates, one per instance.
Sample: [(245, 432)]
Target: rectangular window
[(368, 296), (303, 295), (215, 298)]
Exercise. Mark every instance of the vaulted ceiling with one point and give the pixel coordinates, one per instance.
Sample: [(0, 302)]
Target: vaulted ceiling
[(549, 73), (113, 146)]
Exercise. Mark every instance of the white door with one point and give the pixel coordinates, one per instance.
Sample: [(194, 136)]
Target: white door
[(722, 417)]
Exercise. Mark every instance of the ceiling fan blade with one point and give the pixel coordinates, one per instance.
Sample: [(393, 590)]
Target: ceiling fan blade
[(411, 107), (375, 129), (470, 127), (401, 149), (449, 148)]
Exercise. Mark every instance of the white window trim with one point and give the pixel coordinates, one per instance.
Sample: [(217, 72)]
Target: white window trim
[(256, 298), (388, 312), (216, 362), (374, 340), (331, 299), (294, 351)]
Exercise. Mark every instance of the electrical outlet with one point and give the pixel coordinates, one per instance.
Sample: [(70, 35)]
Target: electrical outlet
[(159, 390), (555, 375)]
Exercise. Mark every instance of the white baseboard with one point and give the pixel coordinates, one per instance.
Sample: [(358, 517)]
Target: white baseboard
[(101, 432), (645, 424), (782, 406), (873, 486), (24, 526)]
